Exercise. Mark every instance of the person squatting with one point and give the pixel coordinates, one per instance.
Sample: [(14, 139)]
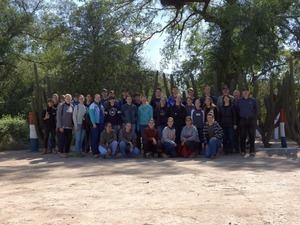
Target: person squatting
[(165, 127)]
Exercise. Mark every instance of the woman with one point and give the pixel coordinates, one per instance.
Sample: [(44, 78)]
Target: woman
[(127, 140), (228, 122), (168, 139), (210, 107), (64, 117), (161, 115), (189, 137), (112, 114), (145, 113), (78, 116), (212, 136), (49, 122), (108, 142)]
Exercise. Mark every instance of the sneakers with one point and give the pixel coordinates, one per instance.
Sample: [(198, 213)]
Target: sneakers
[(252, 153)]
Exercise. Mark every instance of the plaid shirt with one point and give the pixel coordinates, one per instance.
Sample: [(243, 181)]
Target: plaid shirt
[(218, 132)]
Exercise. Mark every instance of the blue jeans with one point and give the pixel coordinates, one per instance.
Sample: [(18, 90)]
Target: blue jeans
[(113, 147), (169, 149), (228, 139), (160, 129), (212, 147), (79, 136), (115, 128), (96, 137), (125, 150)]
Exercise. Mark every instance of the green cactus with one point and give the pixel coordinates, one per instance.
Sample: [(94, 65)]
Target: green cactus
[(166, 85)]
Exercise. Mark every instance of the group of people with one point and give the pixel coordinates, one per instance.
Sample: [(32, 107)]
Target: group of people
[(165, 127)]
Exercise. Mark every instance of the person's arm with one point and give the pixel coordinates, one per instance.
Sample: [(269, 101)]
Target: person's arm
[(75, 113), (165, 135), (58, 115), (194, 134), (113, 138), (92, 114), (218, 131)]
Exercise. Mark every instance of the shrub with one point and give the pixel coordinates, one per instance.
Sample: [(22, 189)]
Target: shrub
[(14, 133)]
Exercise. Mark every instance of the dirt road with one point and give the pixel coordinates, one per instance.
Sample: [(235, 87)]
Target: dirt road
[(37, 189)]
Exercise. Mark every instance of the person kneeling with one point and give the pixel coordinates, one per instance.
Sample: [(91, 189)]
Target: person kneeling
[(128, 142), (189, 139), (212, 136), (108, 142), (151, 140)]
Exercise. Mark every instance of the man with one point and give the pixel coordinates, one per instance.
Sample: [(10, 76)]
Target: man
[(124, 96), (236, 96), (155, 101), (207, 93), (137, 99), (104, 96), (225, 92), (247, 109), (191, 94), (189, 106), (96, 112), (75, 100), (172, 97)]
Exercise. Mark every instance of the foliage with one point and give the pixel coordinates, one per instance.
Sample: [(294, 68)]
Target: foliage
[(14, 132)]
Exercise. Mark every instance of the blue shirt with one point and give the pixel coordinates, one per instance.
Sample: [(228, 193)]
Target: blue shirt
[(247, 108)]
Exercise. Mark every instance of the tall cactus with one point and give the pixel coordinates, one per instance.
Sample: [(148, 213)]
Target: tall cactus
[(166, 85), (194, 85)]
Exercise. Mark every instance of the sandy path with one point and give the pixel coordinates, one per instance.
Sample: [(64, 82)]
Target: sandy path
[(38, 189)]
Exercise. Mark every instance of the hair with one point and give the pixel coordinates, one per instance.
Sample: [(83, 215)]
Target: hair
[(158, 89), (188, 118), (68, 95), (107, 123), (227, 97), (211, 114), (151, 119)]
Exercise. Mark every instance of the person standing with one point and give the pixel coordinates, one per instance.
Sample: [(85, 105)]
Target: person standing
[(161, 115), (178, 112), (198, 115), (49, 119), (145, 113), (113, 114), (79, 111), (207, 93), (236, 96), (155, 101), (247, 109), (189, 106), (227, 120), (225, 91), (96, 112), (64, 117), (129, 114)]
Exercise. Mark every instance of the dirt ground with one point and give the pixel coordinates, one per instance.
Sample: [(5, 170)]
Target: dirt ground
[(229, 190)]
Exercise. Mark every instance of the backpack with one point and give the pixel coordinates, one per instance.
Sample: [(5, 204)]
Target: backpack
[(184, 151)]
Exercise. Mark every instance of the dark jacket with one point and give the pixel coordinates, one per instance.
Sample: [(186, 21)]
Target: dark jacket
[(227, 116), (112, 114), (178, 113), (129, 113), (51, 122), (161, 115)]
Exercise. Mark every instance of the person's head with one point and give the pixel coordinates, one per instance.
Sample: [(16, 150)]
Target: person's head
[(174, 90), (137, 97), (81, 99), (226, 99), (55, 98), (189, 101), (188, 121), (111, 100), (178, 99), (125, 93), (236, 94), (225, 90), (151, 123), (128, 126), (62, 98), (68, 98), (157, 92), (245, 92), (208, 102), (97, 98), (88, 97), (170, 122), (129, 100), (144, 100), (111, 93), (197, 104), (104, 93), (163, 101), (190, 92), (50, 102), (108, 127), (210, 118), (75, 97), (207, 90)]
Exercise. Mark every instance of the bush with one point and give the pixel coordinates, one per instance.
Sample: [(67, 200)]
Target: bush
[(14, 133)]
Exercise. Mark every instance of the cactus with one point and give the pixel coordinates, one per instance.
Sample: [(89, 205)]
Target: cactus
[(194, 86), (232, 85), (166, 85), (155, 84)]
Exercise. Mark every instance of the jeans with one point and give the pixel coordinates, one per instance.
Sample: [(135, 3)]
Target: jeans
[(247, 126), (64, 140), (47, 132), (113, 147), (228, 139), (169, 149), (116, 130), (79, 136), (212, 147), (125, 150), (141, 129), (96, 137), (160, 129)]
